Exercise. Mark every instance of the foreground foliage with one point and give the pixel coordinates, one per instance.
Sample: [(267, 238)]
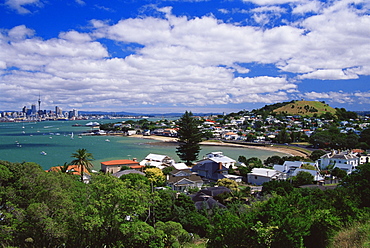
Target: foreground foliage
[(53, 209)]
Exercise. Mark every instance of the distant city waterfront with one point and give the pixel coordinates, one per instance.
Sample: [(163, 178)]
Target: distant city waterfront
[(51, 143)]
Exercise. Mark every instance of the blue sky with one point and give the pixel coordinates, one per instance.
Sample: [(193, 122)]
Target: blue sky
[(172, 56)]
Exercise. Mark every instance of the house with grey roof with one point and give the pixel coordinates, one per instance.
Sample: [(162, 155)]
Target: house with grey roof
[(219, 157), (203, 199), (158, 160), (258, 176), (182, 180), (125, 172), (210, 170), (347, 161)]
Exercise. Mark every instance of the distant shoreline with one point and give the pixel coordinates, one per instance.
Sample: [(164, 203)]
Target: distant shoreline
[(285, 150)]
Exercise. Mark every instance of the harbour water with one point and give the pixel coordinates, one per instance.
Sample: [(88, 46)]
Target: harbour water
[(51, 143)]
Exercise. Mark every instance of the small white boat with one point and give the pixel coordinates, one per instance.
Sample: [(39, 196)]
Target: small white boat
[(107, 140), (43, 153)]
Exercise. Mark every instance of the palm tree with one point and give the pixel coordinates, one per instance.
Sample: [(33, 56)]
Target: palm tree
[(82, 159), (64, 168)]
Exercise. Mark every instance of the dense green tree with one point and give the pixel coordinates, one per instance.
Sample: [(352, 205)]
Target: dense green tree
[(351, 141), (302, 178), (228, 230), (358, 184), (83, 159), (139, 234), (110, 205), (249, 163), (135, 179), (270, 161), (5, 175), (175, 234), (333, 138), (254, 162), (167, 170), (279, 187), (36, 206), (242, 159), (283, 137), (337, 172), (365, 136), (316, 154), (189, 137), (363, 146), (342, 114), (163, 205)]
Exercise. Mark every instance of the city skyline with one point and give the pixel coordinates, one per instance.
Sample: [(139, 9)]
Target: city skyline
[(171, 56)]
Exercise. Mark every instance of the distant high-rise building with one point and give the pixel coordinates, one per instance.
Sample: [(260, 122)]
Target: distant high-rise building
[(73, 113), (33, 109), (58, 111)]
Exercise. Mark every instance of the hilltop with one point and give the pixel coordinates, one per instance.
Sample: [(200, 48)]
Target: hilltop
[(305, 108)]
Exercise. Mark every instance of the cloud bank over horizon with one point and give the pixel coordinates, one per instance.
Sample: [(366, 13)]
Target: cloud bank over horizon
[(165, 58)]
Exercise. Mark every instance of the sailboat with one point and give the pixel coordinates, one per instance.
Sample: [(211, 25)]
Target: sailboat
[(72, 135)]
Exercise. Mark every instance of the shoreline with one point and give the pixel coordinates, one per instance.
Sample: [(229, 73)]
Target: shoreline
[(164, 139)]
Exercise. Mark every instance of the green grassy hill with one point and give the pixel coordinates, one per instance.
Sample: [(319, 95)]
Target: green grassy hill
[(305, 108)]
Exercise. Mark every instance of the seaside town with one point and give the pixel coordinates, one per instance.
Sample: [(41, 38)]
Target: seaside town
[(325, 149)]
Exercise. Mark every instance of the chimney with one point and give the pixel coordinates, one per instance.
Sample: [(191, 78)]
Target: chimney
[(220, 167)]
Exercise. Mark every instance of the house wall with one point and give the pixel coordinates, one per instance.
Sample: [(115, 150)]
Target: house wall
[(257, 180), (324, 162), (364, 159), (110, 168)]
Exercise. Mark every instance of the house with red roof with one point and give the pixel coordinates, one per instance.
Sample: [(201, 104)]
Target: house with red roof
[(73, 170)]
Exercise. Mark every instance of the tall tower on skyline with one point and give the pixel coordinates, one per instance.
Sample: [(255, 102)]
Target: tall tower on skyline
[(39, 101)]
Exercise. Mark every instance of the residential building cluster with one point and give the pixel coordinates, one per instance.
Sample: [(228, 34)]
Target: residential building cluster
[(215, 166), (254, 128)]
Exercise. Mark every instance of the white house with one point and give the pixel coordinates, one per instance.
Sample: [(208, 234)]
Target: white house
[(260, 175), (157, 160), (218, 157), (347, 161), (292, 168), (131, 132), (230, 136), (364, 159)]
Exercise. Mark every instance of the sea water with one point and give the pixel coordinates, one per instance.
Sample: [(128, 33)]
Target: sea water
[(51, 143)]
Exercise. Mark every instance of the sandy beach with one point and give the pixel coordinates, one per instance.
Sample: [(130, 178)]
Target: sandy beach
[(285, 150)]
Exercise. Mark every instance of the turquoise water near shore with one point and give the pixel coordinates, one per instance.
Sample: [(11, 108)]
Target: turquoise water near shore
[(26, 141)]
